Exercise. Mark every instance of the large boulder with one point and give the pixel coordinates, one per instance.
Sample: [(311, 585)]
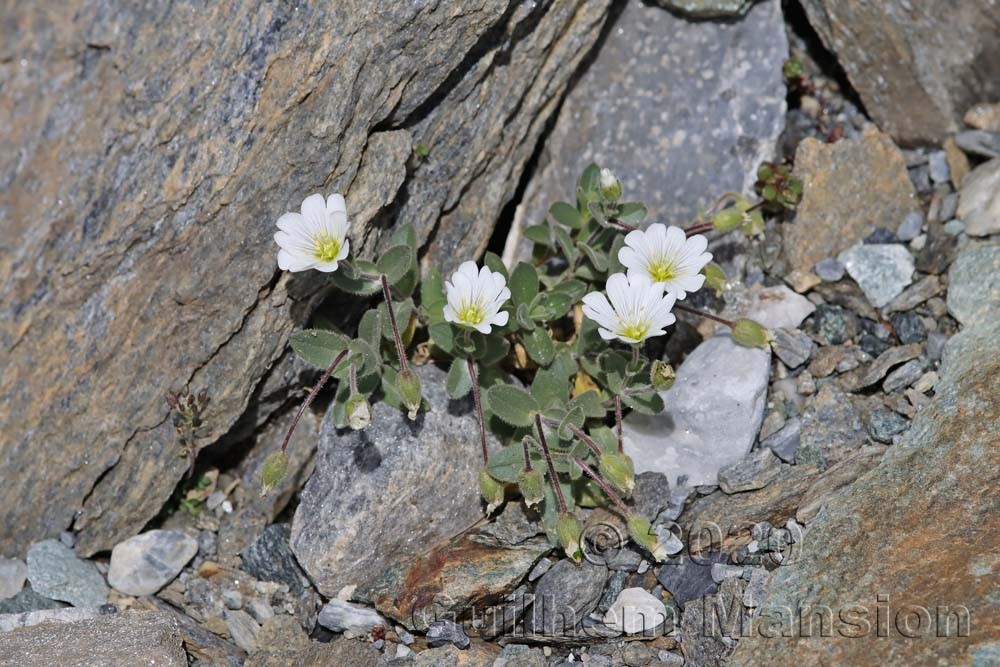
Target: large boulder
[(147, 154), (901, 565), (917, 66)]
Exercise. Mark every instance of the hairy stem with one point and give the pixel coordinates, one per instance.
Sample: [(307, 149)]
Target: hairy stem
[(601, 483), (479, 410), (404, 366), (618, 422), (527, 455), (586, 439), (698, 229), (312, 394), (701, 313), (552, 467)]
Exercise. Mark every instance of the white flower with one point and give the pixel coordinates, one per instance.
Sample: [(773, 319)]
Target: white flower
[(638, 309), (667, 256), (315, 238), (475, 297)]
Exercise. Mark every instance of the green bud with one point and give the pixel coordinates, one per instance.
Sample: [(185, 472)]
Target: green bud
[(491, 490), (611, 187), (715, 278), (359, 412), (275, 468), (727, 219), (619, 470), (751, 334), (642, 533), (532, 486), (408, 385), (792, 69), (661, 375), (570, 530)]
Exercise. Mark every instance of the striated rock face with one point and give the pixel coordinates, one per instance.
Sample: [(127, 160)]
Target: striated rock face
[(145, 157), (916, 65), (918, 529)]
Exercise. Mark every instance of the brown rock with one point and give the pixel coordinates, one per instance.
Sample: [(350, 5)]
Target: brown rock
[(958, 162), (835, 478), (916, 68), (876, 370), (905, 559), (148, 157), (478, 654), (984, 116), (850, 188)]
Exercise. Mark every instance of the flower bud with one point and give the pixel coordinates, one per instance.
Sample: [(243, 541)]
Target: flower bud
[(661, 375), (408, 385), (642, 533), (491, 490), (611, 187), (569, 531), (274, 471), (619, 470), (751, 334), (715, 278), (532, 486), (359, 412), (728, 219)]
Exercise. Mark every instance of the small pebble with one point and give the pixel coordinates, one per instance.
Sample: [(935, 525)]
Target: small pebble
[(909, 327), (884, 423), (954, 227), (938, 167), (910, 228), (903, 376), (830, 270), (233, 599), (919, 242), (881, 235)]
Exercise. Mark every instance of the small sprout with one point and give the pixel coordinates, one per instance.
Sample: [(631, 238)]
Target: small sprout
[(422, 151), (491, 490), (661, 375), (642, 533), (532, 486), (793, 70), (619, 470), (715, 278), (779, 189), (359, 412), (408, 385), (611, 187), (727, 219), (275, 469), (751, 334), (569, 531)]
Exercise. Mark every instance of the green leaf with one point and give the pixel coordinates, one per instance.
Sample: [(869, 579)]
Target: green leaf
[(370, 328), (550, 508), (354, 285), (590, 179), (574, 289), (549, 389), (395, 262), (405, 235), (566, 214), (432, 296), (523, 283), (318, 347), (597, 258), (540, 234), (459, 382), (514, 406), (538, 345), (590, 404), (491, 348), (647, 403), (495, 264), (548, 306), (614, 266), (596, 210), (402, 309), (524, 318), (632, 213), (574, 417), (565, 243), (443, 335), (507, 464)]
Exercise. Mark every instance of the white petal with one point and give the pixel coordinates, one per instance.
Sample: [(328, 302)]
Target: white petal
[(630, 259), (676, 237), (344, 250), (449, 313), (696, 245), (291, 223), (467, 269), (618, 292), (483, 327), (327, 267), (500, 319), (335, 202), (288, 261), (314, 212), (605, 334)]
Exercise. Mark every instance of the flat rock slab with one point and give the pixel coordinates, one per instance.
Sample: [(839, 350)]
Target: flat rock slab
[(974, 285), (712, 416), (851, 187), (144, 564), (979, 200), (681, 111), (918, 528), (881, 270), (390, 492), (57, 573), (150, 639)]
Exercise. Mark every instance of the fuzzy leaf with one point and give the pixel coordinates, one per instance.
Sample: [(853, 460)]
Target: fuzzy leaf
[(396, 262), (405, 235), (549, 389), (647, 403), (508, 463), (370, 328), (574, 289), (354, 285), (491, 348), (566, 214), (574, 416), (539, 346), (495, 264), (590, 179), (565, 243), (523, 318), (615, 266), (402, 309), (540, 234), (459, 382), (432, 296), (597, 258), (318, 347), (523, 283), (443, 335), (514, 406), (548, 306), (590, 404), (632, 213)]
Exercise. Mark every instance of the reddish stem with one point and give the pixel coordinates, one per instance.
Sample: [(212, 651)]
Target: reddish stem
[(697, 229), (601, 483), (312, 394), (552, 467), (701, 313), (618, 421), (404, 367), (586, 439), (479, 410), (527, 455)]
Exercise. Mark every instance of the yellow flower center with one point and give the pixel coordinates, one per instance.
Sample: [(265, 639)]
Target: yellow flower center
[(473, 313), (635, 330), (326, 248), (662, 270)]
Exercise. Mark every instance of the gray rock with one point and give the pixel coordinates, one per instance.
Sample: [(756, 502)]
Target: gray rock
[(13, 574), (57, 573), (938, 164), (833, 324), (270, 558), (636, 612), (232, 599), (662, 106), (565, 595), (712, 418), (342, 533), (55, 615), (444, 633), (519, 655), (953, 227), (130, 638), (904, 376), (773, 307), (935, 345), (911, 226), (830, 269), (146, 563), (708, 637), (882, 271), (756, 588), (914, 295), (755, 471), (690, 577), (786, 441), (260, 609), (909, 327), (831, 427), (28, 600), (339, 616), (792, 346), (979, 200), (979, 142), (651, 494), (703, 9), (243, 629), (949, 206), (883, 424), (723, 571), (974, 285)]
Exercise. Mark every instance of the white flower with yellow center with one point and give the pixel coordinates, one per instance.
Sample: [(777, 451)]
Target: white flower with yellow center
[(638, 309), (316, 238), (666, 256), (475, 297)]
